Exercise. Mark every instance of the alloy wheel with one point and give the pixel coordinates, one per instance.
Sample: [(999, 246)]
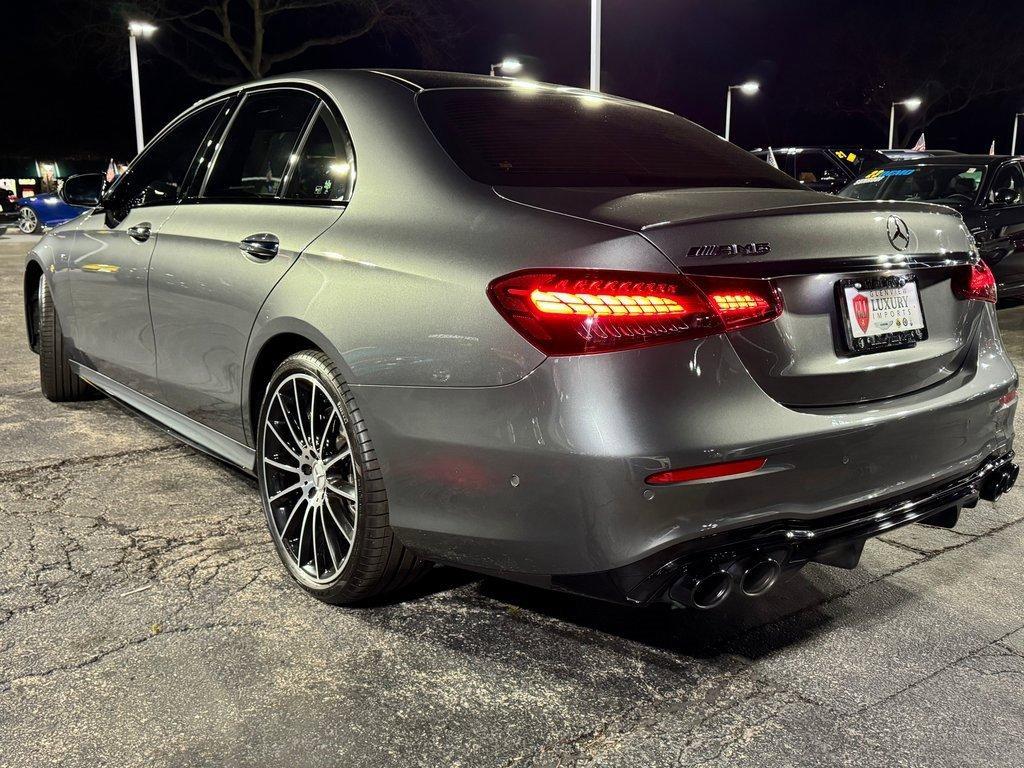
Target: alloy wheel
[(311, 488), (27, 221)]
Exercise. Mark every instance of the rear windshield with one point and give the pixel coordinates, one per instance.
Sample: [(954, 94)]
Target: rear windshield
[(530, 137), (861, 160), (949, 184)]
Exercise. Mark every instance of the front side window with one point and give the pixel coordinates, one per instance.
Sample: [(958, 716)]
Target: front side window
[(325, 170), (536, 137), (256, 155), (1008, 185), (156, 177)]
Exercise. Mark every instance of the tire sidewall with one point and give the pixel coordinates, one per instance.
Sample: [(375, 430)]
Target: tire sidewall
[(310, 364)]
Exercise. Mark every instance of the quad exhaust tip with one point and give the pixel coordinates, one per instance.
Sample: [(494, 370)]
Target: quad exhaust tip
[(999, 481), (760, 576), (710, 589), (704, 592)]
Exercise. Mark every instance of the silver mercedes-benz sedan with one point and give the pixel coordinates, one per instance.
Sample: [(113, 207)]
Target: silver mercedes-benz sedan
[(529, 330)]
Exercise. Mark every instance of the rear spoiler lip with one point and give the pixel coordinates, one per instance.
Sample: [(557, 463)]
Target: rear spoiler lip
[(839, 205), (833, 265)]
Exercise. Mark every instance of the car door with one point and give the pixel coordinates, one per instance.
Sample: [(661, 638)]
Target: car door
[(281, 176), (109, 263), (1000, 235)]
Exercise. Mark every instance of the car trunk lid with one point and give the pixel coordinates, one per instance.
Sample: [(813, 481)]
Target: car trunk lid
[(807, 244)]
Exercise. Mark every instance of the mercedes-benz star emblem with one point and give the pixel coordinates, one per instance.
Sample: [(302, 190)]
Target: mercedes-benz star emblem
[(899, 233)]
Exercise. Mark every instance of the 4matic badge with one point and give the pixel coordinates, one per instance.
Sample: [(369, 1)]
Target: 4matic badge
[(731, 249)]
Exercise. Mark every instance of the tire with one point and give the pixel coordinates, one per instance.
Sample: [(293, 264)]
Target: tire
[(28, 222), (323, 492), (59, 383)]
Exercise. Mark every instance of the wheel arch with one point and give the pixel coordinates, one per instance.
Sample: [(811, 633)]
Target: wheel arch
[(275, 342), (33, 274)]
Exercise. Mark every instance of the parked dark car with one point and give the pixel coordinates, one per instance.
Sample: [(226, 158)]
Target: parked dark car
[(8, 210), (987, 190), (825, 169)]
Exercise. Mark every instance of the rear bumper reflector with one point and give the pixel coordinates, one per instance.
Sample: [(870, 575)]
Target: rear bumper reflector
[(705, 472)]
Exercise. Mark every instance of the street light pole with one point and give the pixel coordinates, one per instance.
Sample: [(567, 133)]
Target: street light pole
[(892, 123), (133, 53), (910, 104), (1013, 144), (135, 29), (749, 88), (728, 111), (595, 45)]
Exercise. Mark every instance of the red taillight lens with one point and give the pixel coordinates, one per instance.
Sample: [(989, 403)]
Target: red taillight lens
[(575, 311), (705, 472), (741, 303), (975, 282)]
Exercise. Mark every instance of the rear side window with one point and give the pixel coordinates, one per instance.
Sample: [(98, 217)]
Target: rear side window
[(257, 152), (533, 137), (325, 170), (156, 177)]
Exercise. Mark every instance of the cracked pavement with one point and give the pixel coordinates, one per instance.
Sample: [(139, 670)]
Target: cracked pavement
[(145, 620)]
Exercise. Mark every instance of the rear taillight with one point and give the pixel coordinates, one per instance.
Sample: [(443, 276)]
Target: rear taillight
[(575, 311), (974, 282)]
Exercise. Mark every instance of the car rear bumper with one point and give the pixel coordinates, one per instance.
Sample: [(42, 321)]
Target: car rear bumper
[(544, 480), (834, 539), (8, 218)]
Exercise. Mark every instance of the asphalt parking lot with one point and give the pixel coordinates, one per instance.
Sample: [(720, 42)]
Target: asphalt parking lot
[(145, 620)]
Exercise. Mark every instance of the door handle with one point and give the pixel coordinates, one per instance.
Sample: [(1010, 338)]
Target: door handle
[(140, 232), (262, 246)]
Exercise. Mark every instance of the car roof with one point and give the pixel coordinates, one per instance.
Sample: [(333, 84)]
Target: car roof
[(826, 147), (986, 160), (417, 80)]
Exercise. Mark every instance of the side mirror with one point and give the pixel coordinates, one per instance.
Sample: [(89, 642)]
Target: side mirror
[(1006, 196), (83, 190)]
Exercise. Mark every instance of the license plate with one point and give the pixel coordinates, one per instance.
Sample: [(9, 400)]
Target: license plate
[(881, 313)]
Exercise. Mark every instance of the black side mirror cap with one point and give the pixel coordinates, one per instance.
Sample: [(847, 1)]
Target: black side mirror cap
[(83, 190)]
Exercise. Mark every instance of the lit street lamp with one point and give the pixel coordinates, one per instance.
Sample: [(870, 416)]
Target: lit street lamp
[(507, 66), (137, 29), (910, 104), (747, 89), (1013, 144)]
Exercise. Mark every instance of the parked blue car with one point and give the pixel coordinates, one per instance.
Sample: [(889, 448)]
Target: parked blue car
[(44, 212)]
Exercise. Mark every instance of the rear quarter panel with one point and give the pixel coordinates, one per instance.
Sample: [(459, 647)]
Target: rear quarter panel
[(395, 290)]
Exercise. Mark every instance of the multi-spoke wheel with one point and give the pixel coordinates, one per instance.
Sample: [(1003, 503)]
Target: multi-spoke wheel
[(322, 489), (28, 222)]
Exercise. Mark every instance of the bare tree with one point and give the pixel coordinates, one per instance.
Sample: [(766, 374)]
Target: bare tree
[(949, 56), (225, 42)]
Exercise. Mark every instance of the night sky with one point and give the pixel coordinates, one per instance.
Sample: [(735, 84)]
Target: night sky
[(677, 54)]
